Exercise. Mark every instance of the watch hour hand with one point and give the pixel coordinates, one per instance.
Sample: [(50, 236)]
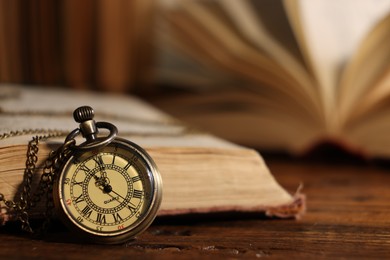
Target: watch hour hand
[(103, 182), (99, 162)]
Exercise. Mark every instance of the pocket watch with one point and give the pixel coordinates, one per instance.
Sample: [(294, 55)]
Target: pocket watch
[(106, 189)]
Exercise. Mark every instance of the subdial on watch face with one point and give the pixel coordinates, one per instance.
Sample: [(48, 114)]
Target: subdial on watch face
[(106, 192)]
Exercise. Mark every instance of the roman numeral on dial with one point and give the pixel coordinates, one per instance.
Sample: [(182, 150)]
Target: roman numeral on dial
[(84, 168), (98, 160), (87, 211), (101, 218), (113, 159), (78, 183), (131, 207), (79, 198), (136, 178), (117, 217), (127, 166), (137, 194)]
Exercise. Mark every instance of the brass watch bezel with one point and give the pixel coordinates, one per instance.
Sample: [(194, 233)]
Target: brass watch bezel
[(141, 225)]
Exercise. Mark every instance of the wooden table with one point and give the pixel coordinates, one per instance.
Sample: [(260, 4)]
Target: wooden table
[(348, 216)]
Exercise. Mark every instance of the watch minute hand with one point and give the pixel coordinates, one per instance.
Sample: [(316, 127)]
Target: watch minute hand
[(117, 194)]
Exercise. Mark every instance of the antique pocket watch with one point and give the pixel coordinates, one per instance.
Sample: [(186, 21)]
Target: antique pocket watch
[(107, 189)]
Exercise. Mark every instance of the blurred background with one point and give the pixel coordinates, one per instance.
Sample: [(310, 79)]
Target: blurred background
[(102, 45), (221, 65)]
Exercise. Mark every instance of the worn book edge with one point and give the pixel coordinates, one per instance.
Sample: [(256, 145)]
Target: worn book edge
[(288, 207)]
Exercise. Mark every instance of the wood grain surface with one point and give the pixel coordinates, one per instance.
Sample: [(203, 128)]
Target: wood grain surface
[(348, 216)]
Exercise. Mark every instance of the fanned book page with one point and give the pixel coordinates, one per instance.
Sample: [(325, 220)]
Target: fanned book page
[(333, 33), (201, 173), (298, 73)]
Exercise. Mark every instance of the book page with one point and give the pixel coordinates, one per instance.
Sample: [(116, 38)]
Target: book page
[(214, 33), (176, 68), (255, 120), (246, 16), (370, 134), (332, 30), (365, 83), (26, 108)]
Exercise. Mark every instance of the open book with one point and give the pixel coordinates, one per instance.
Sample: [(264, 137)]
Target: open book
[(200, 173), (281, 74)]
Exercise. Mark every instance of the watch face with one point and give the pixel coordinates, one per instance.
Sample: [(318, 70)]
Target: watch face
[(110, 194)]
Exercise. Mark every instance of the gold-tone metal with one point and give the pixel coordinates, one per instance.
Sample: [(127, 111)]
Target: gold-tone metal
[(106, 189), (109, 202)]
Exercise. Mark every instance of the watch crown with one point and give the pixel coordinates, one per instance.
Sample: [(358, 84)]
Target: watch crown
[(83, 114)]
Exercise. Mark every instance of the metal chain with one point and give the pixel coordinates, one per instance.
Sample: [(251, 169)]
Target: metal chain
[(28, 200), (50, 170), (45, 132)]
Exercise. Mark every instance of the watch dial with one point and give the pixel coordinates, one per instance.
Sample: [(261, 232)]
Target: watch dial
[(109, 192)]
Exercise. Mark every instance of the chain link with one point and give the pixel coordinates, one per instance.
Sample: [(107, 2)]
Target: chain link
[(52, 164)]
